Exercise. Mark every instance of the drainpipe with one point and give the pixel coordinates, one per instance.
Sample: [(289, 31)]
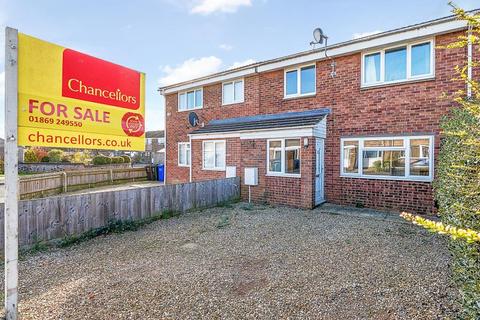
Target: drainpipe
[(469, 63), (162, 93), (190, 167)]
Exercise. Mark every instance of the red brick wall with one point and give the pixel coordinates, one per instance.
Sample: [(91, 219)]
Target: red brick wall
[(408, 108)]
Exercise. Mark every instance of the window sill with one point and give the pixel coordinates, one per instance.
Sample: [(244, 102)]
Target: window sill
[(184, 165), (186, 110), (284, 175), (392, 178), (300, 96), (213, 169), (232, 103), (396, 83)]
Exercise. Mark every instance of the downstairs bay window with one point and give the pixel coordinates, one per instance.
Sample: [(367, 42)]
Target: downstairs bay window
[(283, 157), (396, 158)]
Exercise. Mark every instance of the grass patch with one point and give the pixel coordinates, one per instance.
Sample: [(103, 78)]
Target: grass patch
[(115, 226), (40, 246), (247, 207), (223, 222)]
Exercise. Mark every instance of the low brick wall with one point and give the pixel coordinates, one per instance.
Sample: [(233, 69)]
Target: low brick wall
[(41, 167)]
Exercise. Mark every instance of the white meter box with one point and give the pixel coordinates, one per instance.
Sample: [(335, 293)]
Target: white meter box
[(251, 176)]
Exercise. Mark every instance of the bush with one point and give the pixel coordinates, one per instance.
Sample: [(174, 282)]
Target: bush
[(30, 156), (117, 160), (2, 166), (457, 190), (101, 160), (81, 157), (40, 153), (126, 159), (45, 159), (54, 155)]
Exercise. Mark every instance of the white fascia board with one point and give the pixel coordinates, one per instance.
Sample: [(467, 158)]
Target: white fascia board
[(350, 47), (258, 134), (220, 78)]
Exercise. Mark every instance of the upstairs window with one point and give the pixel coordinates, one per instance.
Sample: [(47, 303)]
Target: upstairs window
[(400, 158), (397, 64), (300, 81), (190, 100), (232, 92)]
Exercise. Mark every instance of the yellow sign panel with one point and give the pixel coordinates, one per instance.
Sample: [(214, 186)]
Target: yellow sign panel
[(72, 100)]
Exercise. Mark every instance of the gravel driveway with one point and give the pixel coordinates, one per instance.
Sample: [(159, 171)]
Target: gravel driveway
[(243, 263)]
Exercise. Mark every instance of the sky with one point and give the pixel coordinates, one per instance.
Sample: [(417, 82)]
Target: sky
[(173, 41)]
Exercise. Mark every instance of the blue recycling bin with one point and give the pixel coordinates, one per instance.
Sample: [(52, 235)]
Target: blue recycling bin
[(161, 172)]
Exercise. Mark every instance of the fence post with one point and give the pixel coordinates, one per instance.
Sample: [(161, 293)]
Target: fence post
[(111, 176), (65, 182)]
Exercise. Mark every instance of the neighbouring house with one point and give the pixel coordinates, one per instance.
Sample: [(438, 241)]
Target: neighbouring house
[(356, 125), (155, 146)]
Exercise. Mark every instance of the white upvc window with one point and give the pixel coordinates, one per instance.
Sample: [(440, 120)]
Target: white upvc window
[(214, 152), (184, 154), (283, 157), (233, 92), (190, 100), (390, 158), (300, 81), (404, 62)]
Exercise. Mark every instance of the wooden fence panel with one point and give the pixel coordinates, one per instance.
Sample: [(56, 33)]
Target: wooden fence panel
[(57, 182), (67, 215)]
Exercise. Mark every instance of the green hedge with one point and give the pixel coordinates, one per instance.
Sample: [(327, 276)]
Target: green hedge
[(101, 160), (457, 191), (126, 159), (117, 160)]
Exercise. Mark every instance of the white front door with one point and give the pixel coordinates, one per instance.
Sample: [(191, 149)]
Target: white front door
[(319, 191)]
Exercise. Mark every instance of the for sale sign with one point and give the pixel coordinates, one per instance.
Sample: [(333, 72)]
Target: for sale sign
[(73, 100)]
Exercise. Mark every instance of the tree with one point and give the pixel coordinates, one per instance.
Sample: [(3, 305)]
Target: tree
[(457, 187)]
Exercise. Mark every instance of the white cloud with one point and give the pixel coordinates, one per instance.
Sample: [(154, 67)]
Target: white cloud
[(206, 7), (239, 64), (365, 34), (190, 69), (225, 47), (195, 68)]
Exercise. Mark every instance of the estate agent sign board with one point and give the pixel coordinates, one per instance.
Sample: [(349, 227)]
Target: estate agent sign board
[(58, 97), (73, 100)]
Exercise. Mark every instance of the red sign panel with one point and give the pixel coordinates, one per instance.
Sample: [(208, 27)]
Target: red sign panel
[(91, 79)]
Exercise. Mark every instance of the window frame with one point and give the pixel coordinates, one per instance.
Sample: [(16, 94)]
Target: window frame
[(282, 172), (194, 90), (405, 148), (214, 152), (232, 82), (409, 76), (188, 159), (299, 81)]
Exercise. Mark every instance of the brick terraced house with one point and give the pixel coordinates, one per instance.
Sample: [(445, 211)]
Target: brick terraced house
[(358, 126)]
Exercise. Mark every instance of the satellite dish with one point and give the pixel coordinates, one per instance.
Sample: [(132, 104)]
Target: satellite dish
[(193, 119), (318, 35)]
